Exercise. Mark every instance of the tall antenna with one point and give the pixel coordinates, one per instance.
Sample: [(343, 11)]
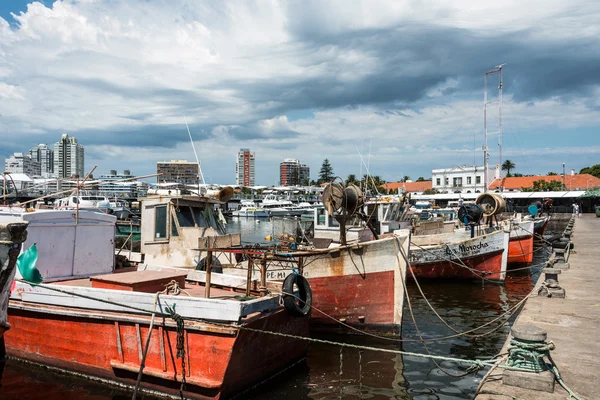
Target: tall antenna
[(194, 148), (497, 70)]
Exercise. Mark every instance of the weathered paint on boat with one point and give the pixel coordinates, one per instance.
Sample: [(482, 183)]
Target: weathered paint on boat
[(362, 284), (520, 248), (221, 359), (540, 225), (440, 257)]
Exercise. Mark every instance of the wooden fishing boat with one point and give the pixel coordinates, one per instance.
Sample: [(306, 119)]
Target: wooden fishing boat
[(94, 326), (357, 275), (459, 256), (210, 338), (540, 224), (520, 244)]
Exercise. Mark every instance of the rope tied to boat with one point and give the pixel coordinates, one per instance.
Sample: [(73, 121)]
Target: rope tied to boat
[(180, 342)]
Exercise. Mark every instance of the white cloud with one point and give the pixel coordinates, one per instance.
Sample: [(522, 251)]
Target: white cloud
[(104, 66)]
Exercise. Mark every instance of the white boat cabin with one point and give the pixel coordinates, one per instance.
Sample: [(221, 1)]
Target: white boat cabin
[(178, 230)]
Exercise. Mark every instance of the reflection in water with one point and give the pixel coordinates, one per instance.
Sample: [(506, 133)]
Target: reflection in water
[(355, 374)]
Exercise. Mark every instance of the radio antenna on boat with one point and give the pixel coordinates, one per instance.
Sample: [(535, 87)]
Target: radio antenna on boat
[(194, 148), (497, 70)]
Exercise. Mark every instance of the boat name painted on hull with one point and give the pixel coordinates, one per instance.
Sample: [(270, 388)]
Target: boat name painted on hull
[(468, 249)]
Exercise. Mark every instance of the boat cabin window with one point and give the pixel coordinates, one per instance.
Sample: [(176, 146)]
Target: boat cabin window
[(160, 222), (200, 219), (174, 231), (321, 217), (190, 217), (75, 200), (184, 216)]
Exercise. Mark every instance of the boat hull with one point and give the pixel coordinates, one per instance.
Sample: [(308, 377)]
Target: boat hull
[(520, 250), (361, 285), (221, 360), (539, 226), (480, 257)]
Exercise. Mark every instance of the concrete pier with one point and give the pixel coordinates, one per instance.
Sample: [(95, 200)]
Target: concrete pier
[(572, 323)]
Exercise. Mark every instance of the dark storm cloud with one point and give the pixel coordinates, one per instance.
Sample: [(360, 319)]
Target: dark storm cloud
[(411, 60)]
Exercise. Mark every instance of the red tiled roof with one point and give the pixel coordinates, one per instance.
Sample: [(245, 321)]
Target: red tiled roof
[(572, 182), (408, 186)]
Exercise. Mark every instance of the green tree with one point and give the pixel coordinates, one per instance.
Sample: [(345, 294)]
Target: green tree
[(430, 191), (351, 179), (516, 174), (406, 178), (507, 165), (420, 179), (544, 186), (551, 173), (326, 172), (593, 170)]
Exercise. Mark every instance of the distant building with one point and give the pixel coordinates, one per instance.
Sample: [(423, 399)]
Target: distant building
[(177, 171), (113, 175), (571, 182), (462, 179), (20, 163), (245, 168), (407, 187), (68, 158), (44, 154), (122, 185), (292, 173)]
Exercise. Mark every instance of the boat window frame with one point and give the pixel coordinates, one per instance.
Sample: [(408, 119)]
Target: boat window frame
[(166, 223)]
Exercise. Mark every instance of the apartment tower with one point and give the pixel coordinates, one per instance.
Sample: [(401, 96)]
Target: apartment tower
[(245, 169), (68, 158)]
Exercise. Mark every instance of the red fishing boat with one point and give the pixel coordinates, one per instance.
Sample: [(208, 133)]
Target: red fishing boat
[(211, 335), (520, 248), (459, 256)]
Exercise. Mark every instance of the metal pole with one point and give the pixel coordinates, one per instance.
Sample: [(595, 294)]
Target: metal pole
[(500, 117), (208, 272), (485, 146), (249, 277)]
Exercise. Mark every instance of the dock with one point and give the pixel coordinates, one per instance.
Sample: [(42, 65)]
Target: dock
[(572, 324)]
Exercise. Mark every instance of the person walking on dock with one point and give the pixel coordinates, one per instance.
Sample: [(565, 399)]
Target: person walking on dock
[(576, 209)]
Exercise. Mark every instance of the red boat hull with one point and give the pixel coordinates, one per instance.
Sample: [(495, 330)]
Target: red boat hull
[(488, 266), (354, 299), (520, 250), (220, 360)]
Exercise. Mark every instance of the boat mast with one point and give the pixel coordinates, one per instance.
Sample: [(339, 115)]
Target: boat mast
[(486, 155), (200, 175)]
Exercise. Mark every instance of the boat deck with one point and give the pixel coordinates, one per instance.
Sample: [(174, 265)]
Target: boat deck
[(191, 288)]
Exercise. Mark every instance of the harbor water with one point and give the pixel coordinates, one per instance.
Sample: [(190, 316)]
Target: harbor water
[(333, 372)]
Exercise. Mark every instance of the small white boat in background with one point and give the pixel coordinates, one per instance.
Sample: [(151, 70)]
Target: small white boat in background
[(251, 212)]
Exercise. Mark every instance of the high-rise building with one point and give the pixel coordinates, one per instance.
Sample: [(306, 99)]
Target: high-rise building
[(44, 154), (245, 169), (292, 173), (68, 158), (177, 171), (20, 163)]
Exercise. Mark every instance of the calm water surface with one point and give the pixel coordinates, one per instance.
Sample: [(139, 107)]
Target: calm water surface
[(352, 374)]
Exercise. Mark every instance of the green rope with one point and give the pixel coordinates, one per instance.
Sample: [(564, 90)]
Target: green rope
[(180, 342), (528, 356)]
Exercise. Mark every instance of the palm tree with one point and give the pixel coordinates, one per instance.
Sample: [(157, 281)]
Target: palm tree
[(406, 178), (507, 165), (351, 179)]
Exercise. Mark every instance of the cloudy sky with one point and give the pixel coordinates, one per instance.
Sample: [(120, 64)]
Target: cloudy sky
[(400, 82)]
